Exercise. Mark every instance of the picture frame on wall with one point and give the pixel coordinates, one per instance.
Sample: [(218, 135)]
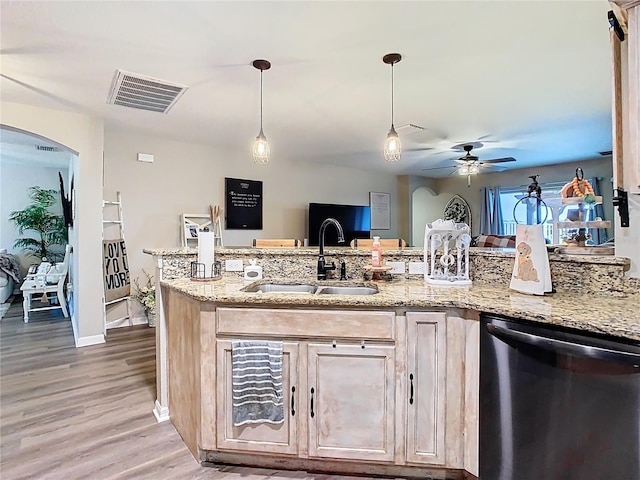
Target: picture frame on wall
[(243, 207), (380, 206)]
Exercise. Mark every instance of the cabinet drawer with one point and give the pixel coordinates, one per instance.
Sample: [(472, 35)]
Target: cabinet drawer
[(306, 323)]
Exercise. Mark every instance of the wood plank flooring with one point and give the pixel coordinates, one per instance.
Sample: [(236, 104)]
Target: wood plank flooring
[(68, 413)]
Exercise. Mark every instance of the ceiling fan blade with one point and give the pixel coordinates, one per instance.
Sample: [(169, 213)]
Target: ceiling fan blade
[(492, 167), (421, 149), (438, 168), (499, 160)]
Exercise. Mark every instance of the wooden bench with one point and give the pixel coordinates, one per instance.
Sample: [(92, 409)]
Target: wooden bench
[(276, 242), (385, 243)]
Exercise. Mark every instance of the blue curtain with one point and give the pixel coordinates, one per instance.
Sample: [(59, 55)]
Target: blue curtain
[(491, 212), (497, 227), (485, 211), (598, 235)]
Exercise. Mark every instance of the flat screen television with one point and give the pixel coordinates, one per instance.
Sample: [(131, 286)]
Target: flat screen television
[(354, 219)]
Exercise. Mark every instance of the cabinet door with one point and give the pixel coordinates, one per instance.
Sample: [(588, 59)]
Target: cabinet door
[(350, 401), (257, 437), (426, 389)]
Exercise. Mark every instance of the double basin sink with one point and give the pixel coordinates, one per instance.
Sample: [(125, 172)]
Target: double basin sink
[(308, 288)]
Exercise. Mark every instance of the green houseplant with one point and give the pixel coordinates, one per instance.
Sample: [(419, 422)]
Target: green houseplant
[(39, 217), (146, 295)]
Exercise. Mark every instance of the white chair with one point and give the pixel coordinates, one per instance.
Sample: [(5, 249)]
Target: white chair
[(47, 280)]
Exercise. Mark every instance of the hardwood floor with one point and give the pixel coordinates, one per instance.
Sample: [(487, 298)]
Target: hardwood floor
[(68, 413)]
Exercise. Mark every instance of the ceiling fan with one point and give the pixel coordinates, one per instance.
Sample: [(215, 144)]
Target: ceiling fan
[(470, 164)]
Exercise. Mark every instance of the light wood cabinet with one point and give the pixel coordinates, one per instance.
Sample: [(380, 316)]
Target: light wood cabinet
[(426, 388), (258, 437), (369, 386), (347, 405), (351, 391)]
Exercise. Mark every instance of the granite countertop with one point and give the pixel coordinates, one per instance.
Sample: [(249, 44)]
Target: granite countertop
[(405, 252), (619, 317)]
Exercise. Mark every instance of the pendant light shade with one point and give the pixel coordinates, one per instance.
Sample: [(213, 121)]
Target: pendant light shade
[(392, 146), (261, 150)]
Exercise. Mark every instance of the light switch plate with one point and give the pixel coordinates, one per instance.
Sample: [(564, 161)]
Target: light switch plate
[(396, 267), (416, 268), (145, 157), (233, 266)]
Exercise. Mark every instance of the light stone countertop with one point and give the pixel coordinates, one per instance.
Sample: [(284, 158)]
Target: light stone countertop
[(405, 252), (618, 317)]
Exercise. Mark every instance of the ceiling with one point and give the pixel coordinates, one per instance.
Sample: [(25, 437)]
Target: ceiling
[(527, 79)]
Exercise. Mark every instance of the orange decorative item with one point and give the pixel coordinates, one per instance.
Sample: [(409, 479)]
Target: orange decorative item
[(581, 187), (567, 190)]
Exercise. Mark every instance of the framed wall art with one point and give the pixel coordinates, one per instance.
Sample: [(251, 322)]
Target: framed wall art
[(243, 205), (458, 210)]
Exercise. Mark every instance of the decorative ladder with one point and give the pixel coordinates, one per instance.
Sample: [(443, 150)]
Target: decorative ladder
[(119, 223)]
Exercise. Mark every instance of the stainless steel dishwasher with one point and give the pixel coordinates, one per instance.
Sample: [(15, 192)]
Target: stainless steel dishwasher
[(556, 405)]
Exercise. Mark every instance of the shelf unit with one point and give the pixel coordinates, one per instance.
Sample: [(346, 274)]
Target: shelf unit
[(192, 223), (582, 224)]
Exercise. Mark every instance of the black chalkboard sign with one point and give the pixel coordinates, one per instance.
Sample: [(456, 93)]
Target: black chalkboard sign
[(243, 204)]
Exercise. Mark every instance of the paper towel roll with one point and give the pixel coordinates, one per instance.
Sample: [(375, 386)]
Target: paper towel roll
[(206, 253)]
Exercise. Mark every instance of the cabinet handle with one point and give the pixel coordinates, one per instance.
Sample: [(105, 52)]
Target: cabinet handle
[(312, 392), (293, 405), (411, 397)]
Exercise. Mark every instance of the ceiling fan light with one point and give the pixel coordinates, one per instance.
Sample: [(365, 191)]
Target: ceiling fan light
[(463, 170), (392, 146), (473, 169), (261, 149)]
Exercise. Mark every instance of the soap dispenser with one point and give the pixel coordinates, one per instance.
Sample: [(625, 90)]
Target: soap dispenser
[(376, 253), (253, 271)]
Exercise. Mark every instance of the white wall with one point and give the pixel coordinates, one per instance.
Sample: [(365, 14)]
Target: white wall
[(15, 181), (187, 178), (84, 135), (426, 205)]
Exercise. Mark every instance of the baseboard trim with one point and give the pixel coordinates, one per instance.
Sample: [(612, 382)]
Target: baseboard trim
[(161, 413), (126, 322), (91, 340)]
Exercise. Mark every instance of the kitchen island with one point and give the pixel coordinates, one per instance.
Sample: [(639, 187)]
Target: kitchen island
[(374, 384)]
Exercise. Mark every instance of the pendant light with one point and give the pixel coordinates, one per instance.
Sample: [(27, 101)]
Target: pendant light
[(261, 146), (392, 146)]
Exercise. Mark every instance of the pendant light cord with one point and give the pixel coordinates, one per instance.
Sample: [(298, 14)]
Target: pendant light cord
[(260, 100), (392, 90)]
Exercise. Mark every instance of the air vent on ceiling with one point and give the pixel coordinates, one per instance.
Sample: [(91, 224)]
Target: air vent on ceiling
[(44, 148), (145, 93)]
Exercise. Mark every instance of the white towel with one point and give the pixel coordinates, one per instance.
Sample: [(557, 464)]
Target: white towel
[(257, 382), (531, 272)]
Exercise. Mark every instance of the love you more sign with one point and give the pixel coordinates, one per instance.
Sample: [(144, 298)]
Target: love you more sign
[(115, 267)]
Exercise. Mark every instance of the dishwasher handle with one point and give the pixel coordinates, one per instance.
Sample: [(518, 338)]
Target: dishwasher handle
[(565, 347)]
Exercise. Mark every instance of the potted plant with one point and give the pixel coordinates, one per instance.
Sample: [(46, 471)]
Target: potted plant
[(39, 218), (146, 295)]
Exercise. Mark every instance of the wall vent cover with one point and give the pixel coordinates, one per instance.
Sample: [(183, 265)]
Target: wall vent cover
[(144, 93)]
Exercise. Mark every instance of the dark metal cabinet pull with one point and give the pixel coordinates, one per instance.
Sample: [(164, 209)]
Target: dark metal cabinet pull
[(312, 392), (293, 405), (411, 397)]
